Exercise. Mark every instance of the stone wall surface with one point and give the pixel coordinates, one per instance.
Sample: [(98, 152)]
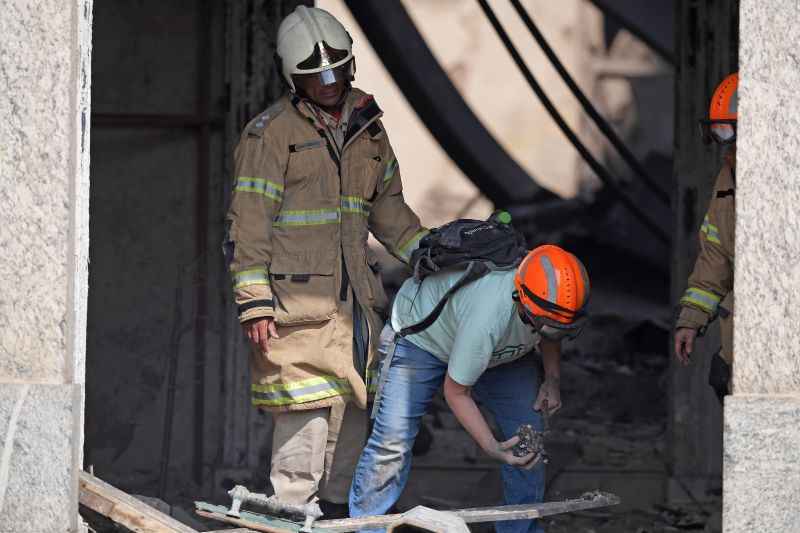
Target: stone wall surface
[(767, 198), (762, 456), (38, 479), (45, 47), (35, 70), (762, 464)]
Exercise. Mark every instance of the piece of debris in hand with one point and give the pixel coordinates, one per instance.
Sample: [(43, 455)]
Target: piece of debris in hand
[(530, 441)]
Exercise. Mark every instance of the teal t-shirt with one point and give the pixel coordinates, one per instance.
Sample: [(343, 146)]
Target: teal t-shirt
[(479, 326)]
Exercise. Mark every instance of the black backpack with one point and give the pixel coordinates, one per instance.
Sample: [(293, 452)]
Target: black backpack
[(475, 246)]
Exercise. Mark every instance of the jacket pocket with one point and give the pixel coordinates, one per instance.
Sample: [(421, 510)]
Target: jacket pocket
[(304, 288)]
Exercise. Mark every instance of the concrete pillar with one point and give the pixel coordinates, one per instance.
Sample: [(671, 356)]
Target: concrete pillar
[(45, 49), (762, 434)]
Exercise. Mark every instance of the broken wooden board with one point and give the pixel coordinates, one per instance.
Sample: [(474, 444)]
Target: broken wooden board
[(124, 509), (271, 524)]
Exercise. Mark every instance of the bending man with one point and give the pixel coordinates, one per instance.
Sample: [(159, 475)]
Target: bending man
[(475, 348)]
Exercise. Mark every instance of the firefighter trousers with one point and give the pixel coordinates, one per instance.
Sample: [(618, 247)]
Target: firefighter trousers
[(314, 453)]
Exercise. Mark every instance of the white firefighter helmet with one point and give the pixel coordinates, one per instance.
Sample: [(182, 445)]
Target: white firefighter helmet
[(311, 41)]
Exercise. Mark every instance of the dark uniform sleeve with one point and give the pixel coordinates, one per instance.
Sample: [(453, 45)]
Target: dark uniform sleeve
[(712, 277), (392, 222), (257, 195)]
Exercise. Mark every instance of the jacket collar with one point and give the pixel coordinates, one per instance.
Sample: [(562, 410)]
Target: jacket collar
[(359, 110)]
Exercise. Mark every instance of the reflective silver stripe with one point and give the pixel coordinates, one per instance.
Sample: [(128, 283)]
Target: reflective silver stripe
[(391, 169), (312, 217), (270, 189), (711, 231), (552, 281), (355, 204), (409, 246), (318, 389), (705, 300), (252, 276)]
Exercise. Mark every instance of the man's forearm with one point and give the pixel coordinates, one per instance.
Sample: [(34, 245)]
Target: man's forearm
[(551, 359), (468, 414)]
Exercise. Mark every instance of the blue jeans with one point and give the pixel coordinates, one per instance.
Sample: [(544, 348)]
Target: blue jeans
[(507, 391)]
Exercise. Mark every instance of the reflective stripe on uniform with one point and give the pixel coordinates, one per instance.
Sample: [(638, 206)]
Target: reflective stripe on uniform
[(314, 217), (711, 231), (356, 205), (270, 189), (407, 248), (704, 300), (251, 276), (309, 217), (372, 380), (307, 390), (391, 170)]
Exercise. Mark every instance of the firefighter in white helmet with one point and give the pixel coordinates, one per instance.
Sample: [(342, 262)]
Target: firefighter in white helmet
[(314, 175)]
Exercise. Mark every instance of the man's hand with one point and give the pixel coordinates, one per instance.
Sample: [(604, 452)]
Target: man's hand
[(684, 344), (501, 451), (260, 331), (549, 398)]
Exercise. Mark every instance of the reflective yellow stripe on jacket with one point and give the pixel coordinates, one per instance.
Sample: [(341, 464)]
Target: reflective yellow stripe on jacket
[(391, 170), (355, 205), (315, 217), (251, 276), (704, 300), (408, 247), (711, 231), (262, 186), (372, 381), (307, 390)]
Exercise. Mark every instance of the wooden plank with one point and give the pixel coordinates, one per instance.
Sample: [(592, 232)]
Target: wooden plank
[(269, 524), (124, 509)]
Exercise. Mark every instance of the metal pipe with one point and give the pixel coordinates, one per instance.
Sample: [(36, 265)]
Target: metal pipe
[(590, 110), (598, 169)]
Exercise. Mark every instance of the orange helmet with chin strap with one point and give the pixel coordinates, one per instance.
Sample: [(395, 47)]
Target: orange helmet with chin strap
[(552, 287), (720, 126)]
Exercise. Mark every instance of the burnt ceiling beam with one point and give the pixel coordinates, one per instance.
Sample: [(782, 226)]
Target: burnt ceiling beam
[(440, 106)]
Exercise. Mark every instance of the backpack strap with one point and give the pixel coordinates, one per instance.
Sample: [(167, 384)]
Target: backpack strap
[(475, 270)]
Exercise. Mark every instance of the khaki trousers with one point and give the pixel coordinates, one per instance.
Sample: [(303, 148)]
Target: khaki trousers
[(314, 453)]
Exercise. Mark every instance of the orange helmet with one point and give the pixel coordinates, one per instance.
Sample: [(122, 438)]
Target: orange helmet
[(552, 287), (722, 112)]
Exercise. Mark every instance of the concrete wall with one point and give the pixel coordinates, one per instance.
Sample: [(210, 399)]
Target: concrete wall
[(762, 455), (45, 77)]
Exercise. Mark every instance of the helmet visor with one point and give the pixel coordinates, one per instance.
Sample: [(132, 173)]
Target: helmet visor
[(718, 131), (551, 329), (322, 56), (331, 75)]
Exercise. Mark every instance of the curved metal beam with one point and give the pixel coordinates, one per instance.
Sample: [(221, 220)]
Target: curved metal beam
[(587, 106), (438, 103), (595, 165)]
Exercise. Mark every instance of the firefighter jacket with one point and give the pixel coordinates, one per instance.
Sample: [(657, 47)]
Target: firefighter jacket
[(301, 210), (710, 287)]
